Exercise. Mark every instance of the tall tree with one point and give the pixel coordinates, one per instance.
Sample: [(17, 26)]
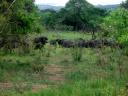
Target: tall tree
[(20, 15), (116, 25), (80, 14), (18, 18), (125, 4)]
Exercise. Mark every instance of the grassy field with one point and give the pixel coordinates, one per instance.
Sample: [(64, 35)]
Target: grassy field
[(57, 71), (69, 35)]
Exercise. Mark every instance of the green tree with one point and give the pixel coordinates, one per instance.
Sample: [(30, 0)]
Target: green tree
[(116, 25), (125, 4), (81, 15), (17, 17), (49, 19), (20, 15)]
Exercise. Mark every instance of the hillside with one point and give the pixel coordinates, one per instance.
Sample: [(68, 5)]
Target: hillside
[(109, 6), (44, 7), (57, 8)]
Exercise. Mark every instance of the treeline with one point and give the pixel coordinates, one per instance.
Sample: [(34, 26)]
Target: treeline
[(115, 24), (80, 15), (77, 15), (20, 17)]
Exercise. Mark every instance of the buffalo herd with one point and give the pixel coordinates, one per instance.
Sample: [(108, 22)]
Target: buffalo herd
[(81, 43), (39, 42)]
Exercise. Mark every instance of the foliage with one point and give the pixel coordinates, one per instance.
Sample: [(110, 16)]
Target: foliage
[(79, 88), (88, 77), (48, 19), (77, 14), (125, 4), (101, 72), (116, 25), (77, 54), (2, 22), (20, 16)]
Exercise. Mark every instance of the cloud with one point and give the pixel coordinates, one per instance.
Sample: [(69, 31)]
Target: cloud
[(52, 2), (105, 2), (63, 2)]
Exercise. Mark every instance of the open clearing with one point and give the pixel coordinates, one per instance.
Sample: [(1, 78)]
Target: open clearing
[(59, 69)]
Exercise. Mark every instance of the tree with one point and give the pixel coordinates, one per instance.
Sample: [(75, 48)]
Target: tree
[(116, 25), (49, 19), (17, 17), (20, 15), (81, 15), (125, 4)]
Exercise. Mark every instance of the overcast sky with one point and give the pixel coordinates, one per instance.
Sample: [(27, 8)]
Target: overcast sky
[(63, 2)]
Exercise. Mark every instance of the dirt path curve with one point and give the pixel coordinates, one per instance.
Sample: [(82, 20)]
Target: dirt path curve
[(53, 73)]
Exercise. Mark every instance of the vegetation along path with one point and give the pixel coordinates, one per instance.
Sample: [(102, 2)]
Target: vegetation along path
[(52, 73)]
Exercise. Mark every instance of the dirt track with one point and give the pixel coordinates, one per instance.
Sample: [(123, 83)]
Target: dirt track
[(53, 73)]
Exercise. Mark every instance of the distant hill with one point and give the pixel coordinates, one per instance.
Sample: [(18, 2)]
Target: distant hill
[(44, 7), (57, 8), (112, 7)]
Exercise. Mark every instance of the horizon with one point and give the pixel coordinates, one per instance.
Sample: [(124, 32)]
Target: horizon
[(63, 3)]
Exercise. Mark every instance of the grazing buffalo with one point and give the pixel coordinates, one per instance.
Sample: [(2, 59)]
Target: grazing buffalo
[(56, 41), (67, 43), (62, 42), (40, 42), (83, 43)]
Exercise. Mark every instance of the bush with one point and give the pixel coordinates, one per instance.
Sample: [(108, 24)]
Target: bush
[(116, 25), (77, 54), (80, 88), (63, 27), (77, 75)]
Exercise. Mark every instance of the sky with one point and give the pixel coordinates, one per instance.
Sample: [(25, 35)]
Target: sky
[(63, 2)]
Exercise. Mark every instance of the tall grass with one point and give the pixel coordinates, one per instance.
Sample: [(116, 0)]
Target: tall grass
[(77, 54), (95, 87), (95, 72)]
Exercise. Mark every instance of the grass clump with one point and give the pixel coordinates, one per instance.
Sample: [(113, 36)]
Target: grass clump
[(80, 88), (77, 54)]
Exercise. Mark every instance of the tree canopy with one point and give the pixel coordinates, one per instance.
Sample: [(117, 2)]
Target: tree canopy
[(19, 16), (116, 24), (81, 15), (78, 14), (125, 4)]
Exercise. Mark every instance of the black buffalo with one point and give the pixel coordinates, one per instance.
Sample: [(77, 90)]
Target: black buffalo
[(62, 42), (40, 42), (81, 43)]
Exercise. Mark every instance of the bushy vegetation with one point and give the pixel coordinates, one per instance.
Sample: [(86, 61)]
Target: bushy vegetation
[(116, 25), (77, 15), (20, 16), (100, 72), (125, 4), (31, 67)]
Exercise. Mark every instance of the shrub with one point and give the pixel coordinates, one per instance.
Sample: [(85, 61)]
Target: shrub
[(77, 54), (116, 25)]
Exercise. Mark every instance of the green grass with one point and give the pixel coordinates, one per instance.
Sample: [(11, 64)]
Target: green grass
[(99, 72), (69, 35), (97, 87)]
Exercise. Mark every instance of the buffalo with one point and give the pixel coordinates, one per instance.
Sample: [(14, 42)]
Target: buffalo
[(40, 42), (62, 42), (83, 43)]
